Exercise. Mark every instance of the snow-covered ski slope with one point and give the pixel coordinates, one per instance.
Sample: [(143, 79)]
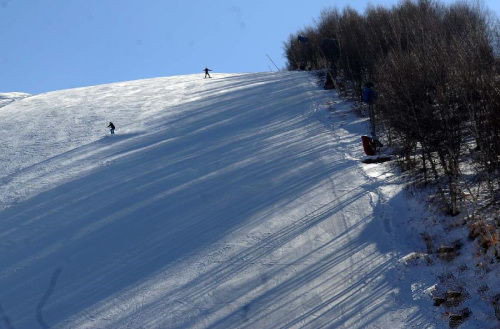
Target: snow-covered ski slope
[(232, 202)]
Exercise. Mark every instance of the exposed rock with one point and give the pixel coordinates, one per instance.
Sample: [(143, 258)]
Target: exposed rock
[(438, 301), (496, 305), (454, 298), (456, 319), (447, 253)]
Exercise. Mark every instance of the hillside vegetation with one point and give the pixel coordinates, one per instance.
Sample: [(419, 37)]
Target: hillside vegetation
[(435, 69)]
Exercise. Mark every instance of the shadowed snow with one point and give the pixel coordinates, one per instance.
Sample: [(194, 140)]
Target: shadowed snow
[(224, 203)]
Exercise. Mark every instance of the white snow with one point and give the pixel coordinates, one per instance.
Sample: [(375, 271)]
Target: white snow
[(7, 98), (232, 202)]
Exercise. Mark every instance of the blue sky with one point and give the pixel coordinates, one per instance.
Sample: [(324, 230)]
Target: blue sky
[(57, 44)]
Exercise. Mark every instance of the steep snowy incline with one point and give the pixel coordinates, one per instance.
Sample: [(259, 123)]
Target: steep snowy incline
[(231, 202)]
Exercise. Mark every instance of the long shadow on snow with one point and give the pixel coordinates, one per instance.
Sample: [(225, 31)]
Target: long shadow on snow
[(148, 209), (381, 280), (378, 277)]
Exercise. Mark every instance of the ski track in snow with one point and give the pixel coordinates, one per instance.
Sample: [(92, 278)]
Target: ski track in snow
[(232, 202)]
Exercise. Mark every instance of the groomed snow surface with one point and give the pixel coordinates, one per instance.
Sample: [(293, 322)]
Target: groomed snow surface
[(232, 202)]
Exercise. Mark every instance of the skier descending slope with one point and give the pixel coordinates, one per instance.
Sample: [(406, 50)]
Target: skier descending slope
[(111, 127), (206, 72)]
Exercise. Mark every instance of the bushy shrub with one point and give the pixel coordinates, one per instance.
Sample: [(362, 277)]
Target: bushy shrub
[(435, 69)]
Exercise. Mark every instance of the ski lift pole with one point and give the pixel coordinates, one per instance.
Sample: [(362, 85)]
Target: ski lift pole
[(277, 69), (373, 132), (369, 97)]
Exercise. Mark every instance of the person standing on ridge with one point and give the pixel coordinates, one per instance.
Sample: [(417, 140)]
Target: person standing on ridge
[(111, 127), (206, 72)]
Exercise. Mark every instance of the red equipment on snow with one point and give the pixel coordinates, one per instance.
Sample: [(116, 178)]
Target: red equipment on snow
[(368, 145)]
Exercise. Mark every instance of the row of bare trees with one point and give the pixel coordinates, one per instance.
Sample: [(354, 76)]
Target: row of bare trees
[(436, 71)]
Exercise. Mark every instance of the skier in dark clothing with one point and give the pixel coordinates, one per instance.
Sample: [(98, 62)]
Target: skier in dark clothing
[(206, 72), (111, 127)]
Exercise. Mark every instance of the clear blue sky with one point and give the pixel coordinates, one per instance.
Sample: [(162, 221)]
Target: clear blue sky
[(57, 44)]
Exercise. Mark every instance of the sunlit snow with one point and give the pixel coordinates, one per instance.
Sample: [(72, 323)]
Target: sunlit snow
[(232, 202)]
